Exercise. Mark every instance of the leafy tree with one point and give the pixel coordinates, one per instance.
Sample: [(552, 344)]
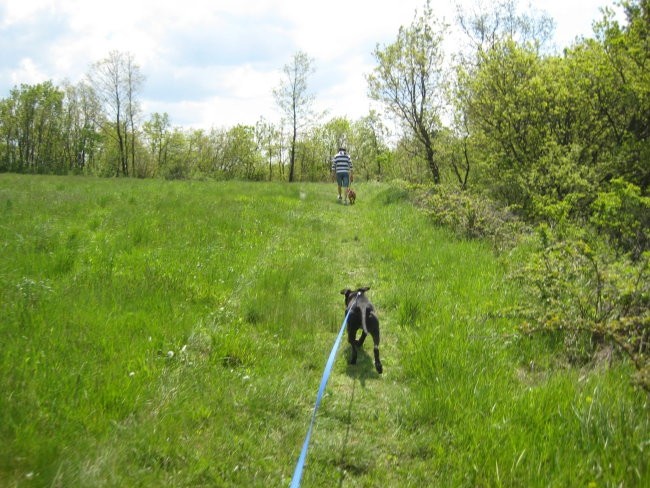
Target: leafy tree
[(156, 132), (410, 81), (117, 80), (295, 100), (81, 121), (240, 155), (31, 129), (370, 136), (498, 99), (628, 113), (268, 141), (555, 129), (9, 159)]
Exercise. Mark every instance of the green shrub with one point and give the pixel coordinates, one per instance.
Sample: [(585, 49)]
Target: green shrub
[(623, 215), (470, 215), (591, 296)]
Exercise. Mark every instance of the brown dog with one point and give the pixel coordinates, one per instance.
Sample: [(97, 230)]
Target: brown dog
[(352, 196)]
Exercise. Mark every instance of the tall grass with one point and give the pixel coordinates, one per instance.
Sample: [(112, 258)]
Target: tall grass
[(174, 333)]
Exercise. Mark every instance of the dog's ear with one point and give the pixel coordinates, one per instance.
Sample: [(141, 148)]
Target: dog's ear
[(345, 291), (364, 289)]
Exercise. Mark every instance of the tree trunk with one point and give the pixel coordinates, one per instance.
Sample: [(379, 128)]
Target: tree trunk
[(430, 155), (435, 172), (292, 153)]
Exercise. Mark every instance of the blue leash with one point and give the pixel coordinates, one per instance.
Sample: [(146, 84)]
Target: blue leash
[(297, 473)]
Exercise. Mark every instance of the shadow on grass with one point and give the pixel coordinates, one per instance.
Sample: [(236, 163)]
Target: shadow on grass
[(344, 467), (359, 373), (364, 369)]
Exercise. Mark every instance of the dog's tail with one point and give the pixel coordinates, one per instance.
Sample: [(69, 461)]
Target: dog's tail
[(364, 310)]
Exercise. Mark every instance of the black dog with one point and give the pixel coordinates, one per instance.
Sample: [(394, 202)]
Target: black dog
[(362, 316)]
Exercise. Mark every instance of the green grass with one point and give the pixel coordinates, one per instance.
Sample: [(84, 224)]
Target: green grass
[(174, 334)]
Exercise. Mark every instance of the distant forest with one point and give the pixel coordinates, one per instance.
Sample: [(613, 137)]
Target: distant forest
[(528, 126)]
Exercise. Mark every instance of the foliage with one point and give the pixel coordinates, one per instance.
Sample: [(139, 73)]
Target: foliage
[(409, 80), (623, 215), (29, 119), (470, 215), (627, 107), (295, 100), (592, 297), (555, 129)]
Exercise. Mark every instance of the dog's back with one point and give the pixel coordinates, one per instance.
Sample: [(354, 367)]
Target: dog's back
[(361, 315), (362, 312)]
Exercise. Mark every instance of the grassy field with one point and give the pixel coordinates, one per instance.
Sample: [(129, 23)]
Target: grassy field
[(174, 334)]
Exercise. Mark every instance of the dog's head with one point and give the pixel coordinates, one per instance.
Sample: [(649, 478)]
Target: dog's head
[(350, 294)]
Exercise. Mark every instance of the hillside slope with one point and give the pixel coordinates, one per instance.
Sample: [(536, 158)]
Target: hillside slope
[(175, 333)]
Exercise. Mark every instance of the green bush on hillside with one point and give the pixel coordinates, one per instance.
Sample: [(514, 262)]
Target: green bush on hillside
[(587, 283), (470, 215), (623, 215), (592, 297)]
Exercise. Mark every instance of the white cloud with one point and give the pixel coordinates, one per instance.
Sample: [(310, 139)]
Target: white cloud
[(15, 11), (28, 73), (215, 63)]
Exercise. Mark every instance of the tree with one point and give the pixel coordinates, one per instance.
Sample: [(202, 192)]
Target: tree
[(8, 135), (370, 147), (268, 144), (81, 121), (157, 135), (627, 49), (409, 80), (295, 100), (490, 24), (552, 130), (31, 129), (240, 156), (117, 80)]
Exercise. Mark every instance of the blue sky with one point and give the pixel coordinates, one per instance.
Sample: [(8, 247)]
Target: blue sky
[(214, 63)]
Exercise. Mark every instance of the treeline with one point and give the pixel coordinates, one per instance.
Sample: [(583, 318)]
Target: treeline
[(535, 129), (95, 127), (531, 127), (46, 129)]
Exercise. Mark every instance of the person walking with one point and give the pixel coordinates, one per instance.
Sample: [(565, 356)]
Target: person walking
[(342, 170)]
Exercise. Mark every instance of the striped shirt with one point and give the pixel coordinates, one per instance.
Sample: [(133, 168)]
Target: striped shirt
[(341, 163)]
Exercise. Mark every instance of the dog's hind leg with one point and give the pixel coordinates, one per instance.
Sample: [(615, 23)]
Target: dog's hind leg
[(361, 340), (378, 365), (375, 339), (353, 346), (372, 326)]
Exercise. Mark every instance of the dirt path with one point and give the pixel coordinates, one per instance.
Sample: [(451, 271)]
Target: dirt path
[(358, 426)]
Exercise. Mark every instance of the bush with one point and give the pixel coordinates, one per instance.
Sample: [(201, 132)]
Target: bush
[(623, 215), (576, 283), (591, 296), (470, 215)]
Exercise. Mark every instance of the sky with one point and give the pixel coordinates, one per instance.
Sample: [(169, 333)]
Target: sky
[(215, 63)]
